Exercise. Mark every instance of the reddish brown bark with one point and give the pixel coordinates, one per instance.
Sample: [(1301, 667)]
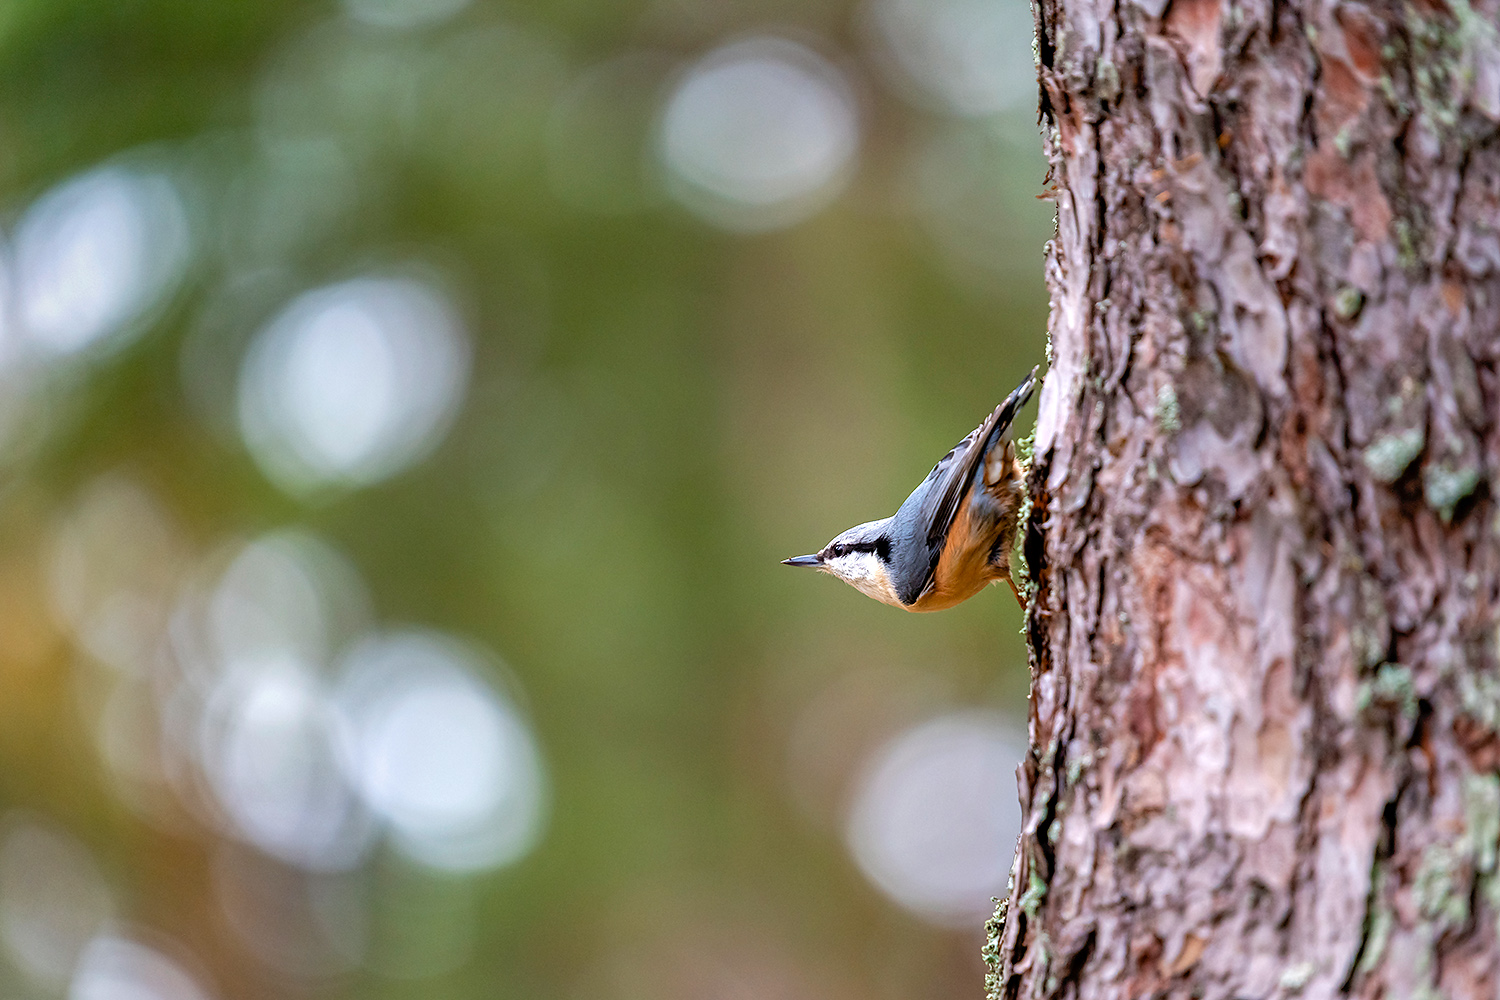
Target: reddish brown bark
[(1266, 698)]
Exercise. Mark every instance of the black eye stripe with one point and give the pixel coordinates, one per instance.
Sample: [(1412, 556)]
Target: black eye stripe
[(881, 546)]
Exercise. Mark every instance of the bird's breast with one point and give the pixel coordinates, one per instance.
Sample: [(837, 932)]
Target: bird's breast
[(965, 567)]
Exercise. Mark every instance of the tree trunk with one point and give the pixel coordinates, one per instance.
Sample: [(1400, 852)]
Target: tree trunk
[(1265, 711)]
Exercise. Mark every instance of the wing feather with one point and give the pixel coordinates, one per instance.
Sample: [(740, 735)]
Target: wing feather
[(942, 492)]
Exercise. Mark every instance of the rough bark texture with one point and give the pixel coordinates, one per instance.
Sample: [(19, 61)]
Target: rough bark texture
[(1266, 695)]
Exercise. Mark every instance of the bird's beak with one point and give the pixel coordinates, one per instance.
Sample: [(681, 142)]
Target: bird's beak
[(813, 560)]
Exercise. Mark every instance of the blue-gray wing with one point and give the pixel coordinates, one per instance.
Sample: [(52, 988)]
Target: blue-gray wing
[(929, 512)]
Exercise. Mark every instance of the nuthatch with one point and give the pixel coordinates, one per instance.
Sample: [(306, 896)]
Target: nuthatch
[(952, 536)]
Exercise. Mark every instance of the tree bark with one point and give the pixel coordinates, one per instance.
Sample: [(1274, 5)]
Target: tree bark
[(1265, 711)]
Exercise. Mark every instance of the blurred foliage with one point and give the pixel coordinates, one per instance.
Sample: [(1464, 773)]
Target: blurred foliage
[(658, 412)]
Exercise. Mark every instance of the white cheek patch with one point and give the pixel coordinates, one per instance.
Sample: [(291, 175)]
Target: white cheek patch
[(864, 565), (864, 572)]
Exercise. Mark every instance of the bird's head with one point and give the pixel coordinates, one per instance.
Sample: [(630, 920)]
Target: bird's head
[(861, 557)]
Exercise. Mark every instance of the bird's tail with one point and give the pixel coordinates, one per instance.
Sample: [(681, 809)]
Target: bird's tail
[(997, 456), (1007, 410)]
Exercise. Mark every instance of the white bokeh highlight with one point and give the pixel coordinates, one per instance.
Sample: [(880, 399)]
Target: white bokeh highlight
[(935, 818), (759, 134), (316, 736), (10, 334), (448, 762), (270, 741), (353, 383), (114, 967), (53, 899), (967, 57), (93, 255), (274, 753), (286, 595)]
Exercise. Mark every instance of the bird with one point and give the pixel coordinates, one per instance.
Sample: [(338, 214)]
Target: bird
[(952, 536)]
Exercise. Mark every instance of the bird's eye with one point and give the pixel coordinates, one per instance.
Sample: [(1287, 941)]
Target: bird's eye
[(836, 550)]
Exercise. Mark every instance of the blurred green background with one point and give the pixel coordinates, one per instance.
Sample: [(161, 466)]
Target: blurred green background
[(404, 405)]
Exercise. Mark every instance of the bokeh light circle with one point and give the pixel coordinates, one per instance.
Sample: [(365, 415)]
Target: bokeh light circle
[(273, 751), (935, 818), (285, 594), (114, 967), (93, 254), (353, 382), (270, 739), (759, 134), (446, 760)]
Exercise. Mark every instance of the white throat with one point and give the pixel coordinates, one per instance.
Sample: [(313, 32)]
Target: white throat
[(865, 573)]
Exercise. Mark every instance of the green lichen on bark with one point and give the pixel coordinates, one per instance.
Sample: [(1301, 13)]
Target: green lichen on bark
[(1378, 922), (1168, 410), (1020, 570), (1482, 816), (1390, 455), (1444, 486), (1347, 302), (1440, 889), (1036, 892), (994, 931), (1076, 767), (1391, 686), (1479, 696)]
